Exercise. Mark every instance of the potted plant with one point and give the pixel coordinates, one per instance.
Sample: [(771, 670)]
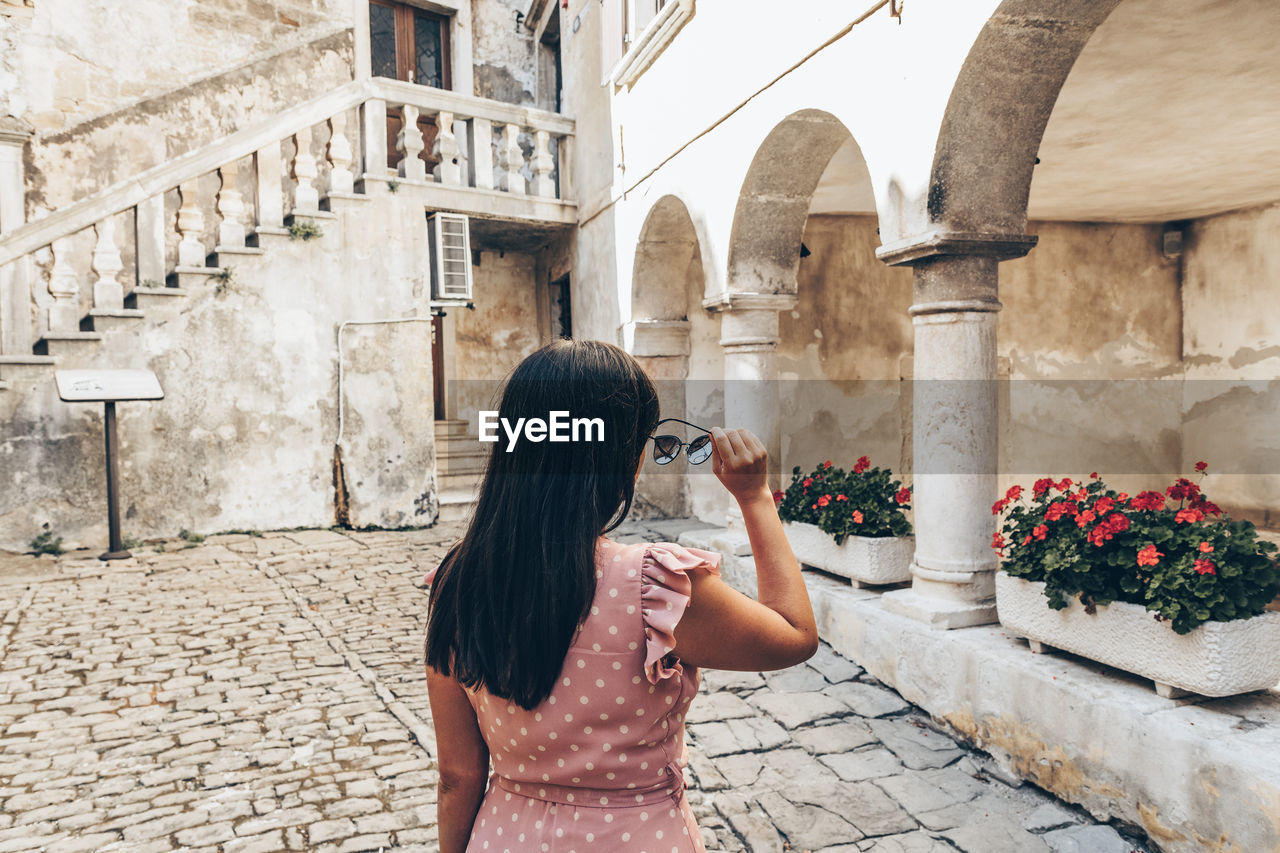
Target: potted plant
[(850, 523), (1160, 584)]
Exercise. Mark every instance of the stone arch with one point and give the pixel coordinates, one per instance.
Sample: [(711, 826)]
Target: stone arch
[(998, 110), (668, 263), (667, 324), (773, 204)]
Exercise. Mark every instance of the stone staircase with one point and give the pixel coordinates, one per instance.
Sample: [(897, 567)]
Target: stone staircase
[(460, 461), (97, 278)]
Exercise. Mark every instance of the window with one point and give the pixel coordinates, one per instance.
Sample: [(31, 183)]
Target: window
[(408, 43), (634, 32)]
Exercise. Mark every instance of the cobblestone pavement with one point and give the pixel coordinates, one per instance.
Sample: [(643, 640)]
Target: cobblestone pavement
[(266, 692)]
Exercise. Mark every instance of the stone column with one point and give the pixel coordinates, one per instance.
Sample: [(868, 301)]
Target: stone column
[(15, 277), (954, 424), (749, 338), (662, 348)]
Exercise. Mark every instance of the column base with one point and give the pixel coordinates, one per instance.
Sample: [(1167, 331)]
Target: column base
[(940, 613)]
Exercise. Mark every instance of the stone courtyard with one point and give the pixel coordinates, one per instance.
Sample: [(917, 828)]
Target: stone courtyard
[(265, 691)]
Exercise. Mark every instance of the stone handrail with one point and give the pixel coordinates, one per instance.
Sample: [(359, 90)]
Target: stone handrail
[(289, 160), (81, 214)]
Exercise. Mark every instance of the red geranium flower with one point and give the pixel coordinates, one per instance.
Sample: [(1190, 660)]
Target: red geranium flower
[(1026, 541), (997, 541), (1117, 522), (903, 495), (998, 506), (1205, 567), (826, 464), (1188, 515), (1149, 556), (1013, 494), (1058, 509), (1104, 505), (1039, 487), (778, 495), (1201, 466), (842, 497), (1122, 497), (1085, 517), (1040, 531), (1206, 548), (1203, 504), (1063, 484), (824, 500), (1147, 500), (861, 465), (808, 481), (857, 516), (1094, 475)]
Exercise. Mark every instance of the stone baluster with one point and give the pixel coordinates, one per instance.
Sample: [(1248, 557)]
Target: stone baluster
[(480, 153), (64, 287), (231, 231), (306, 198), (446, 150), (191, 225), (149, 238), (373, 137), (544, 186), (341, 180), (510, 161), (269, 167), (409, 144), (108, 293), (564, 153)]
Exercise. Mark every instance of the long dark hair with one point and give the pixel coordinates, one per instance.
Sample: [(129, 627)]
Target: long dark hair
[(508, 598)]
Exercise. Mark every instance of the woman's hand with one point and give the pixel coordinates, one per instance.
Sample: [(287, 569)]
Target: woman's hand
[(740, 462)]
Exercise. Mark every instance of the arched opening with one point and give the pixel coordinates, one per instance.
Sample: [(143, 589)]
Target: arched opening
[(806, 224), (677, 342), (1144, 154)]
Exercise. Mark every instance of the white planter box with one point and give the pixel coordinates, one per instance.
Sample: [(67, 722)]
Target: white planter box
[(1215, 659), (869, 560)]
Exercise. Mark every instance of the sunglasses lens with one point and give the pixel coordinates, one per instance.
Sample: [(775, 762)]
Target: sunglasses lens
[(665, 448), (699, 449)]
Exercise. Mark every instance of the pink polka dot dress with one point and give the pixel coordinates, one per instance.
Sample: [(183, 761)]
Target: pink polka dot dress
[(599, 765)]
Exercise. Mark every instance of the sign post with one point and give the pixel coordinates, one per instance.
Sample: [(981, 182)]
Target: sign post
[(109, 387)]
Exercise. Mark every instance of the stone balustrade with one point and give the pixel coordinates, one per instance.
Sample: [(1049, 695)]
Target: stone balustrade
[(113, 249)]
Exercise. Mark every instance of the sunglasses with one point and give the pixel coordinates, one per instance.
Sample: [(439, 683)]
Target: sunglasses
[(667, 447)]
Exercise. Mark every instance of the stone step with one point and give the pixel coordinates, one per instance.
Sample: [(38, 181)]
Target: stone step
[(463, 481), (468, 467), (229, 256), (327, 203), (192, 278), (73, 346), (20, 370), (451, 428), (106, 319), (147, 299), (456, 504)]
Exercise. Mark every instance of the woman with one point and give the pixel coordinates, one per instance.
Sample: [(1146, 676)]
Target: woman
[(570, 660)]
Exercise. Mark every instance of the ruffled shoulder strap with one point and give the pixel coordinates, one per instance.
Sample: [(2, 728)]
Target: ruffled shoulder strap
[(664, 594)]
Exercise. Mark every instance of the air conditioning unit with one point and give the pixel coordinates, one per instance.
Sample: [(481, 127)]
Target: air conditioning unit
[(450, 243)]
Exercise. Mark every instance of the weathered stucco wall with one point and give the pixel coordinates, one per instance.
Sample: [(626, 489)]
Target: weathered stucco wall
[(1090, 328), (245, 437), (504, 55), (211, 67), (1231, 340), (840, 350), (492, 339)]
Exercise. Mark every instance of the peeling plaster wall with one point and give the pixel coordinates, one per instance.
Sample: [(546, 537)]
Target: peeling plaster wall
[(840, 350), (209, 67), (1090, 328), (491, 340), (1231, 341), (504, 54), (245, 436)]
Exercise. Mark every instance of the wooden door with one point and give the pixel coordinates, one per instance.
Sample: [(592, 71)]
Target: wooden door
[(437, 364), (410, 44)]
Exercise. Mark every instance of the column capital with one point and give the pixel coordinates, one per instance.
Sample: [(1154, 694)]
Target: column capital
[(656, 338), (732, 300), (942, 241), (14, 131)]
